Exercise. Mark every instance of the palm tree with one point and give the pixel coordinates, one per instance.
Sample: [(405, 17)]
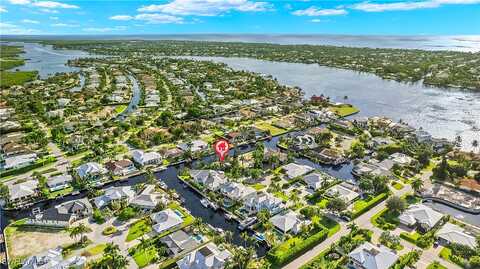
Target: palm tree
[(417, 184), (245, 237), (475, 144), (241, 258), (79, 230), (228, 236)]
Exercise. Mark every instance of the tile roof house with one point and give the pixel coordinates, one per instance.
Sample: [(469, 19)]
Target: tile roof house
[(91, 170), (288, 221), (53, 259), (148, 199), (23, 191), (114, 194), (236, 191), (262, 200), (121, 167), (293, 170), (59, 182), (316, 179), (165, 220), (20, 160), (420, 215), (454, 234), (195, 146), (207, 257), (63, 215), (368, 256), (211, 179), (146, 158), (179, 241), (344, 192)]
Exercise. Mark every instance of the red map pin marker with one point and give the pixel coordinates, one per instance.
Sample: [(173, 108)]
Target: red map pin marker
[(221, 148)]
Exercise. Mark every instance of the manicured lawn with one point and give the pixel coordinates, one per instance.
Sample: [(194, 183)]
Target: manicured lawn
[(344, 110), (258, 186), (16, 78), (397, 186), (361, 206), (385, 220), (65, 191), (138, 229), (281, 195), (95, 250), (411, 237), (322, 203), (120, 108), (436, 266), (445, 253), (144, 257), (265, 126)]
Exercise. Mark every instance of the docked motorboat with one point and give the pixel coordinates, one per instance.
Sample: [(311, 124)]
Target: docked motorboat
[(204, 202)]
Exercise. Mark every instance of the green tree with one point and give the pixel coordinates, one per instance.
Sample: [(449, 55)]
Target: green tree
[(336, 204), (396, 204), (417, 184)]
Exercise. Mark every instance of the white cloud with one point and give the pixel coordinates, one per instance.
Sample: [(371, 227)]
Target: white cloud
[(53, 18), (206, 7), (121, 18), (64, 25), (105, 29), (30, 21), (314, 11), (2, 10), (380, 7), (12, 29), (316, 20), (154, 18), (43, 4), (51, 11)]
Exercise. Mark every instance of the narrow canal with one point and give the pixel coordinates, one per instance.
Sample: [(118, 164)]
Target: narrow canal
[(134, 101)]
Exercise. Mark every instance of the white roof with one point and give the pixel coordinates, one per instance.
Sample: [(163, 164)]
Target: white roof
[(19, 160), (60, 179), (286, 221), (315, 179), (400, 158), (23, 189), (142, 157), (165, 220), (455, 234), (422, 214), (373, 257), (236, 191), (344, 193), (196, 145), (293, 170), (206, 257), (114, 193), (90, 168)]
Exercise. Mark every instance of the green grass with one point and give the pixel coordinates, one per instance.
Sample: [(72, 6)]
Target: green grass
[(138, 229), (436, 266), (397, 186), (120, 108), (145, 256), (16, 78), (362, 206), (95, 250), (445, 253), (410, 237), (63, 192), (344, 110), (322, 203), (281, 195), (258, 186), (385, 220), (265, 126)]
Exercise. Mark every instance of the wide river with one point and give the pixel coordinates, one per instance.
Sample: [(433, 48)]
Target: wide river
[(442, 112)]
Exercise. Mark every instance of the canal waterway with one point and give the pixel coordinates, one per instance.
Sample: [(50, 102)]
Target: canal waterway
[(442, 112)]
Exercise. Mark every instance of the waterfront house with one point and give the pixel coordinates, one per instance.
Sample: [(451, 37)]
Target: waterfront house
[(173, 153), (330, 156), (209, 256), (179, 241), (344, 191), (120, 167), (361, 123), (59, 182), (421, 216), (401, 159), (454, 234), (236, 191), (293, 170), (53, 259), (114, 194), (257, 201), (423, 136), (148, 199), (62, 215), (316, 180), (194, 146), (23, 191), (302, 142), (210, 179), (165, 220), (288, 222), (369, 256), (91, 170), (146, 158)]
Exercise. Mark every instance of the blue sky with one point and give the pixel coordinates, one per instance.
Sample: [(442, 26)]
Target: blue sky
[(393, 17)]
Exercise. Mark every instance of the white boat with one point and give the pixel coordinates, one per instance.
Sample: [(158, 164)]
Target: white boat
[(214, 206), (228, 216), (204, 202)]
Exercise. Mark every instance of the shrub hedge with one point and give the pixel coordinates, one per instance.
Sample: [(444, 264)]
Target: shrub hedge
[(373, 202)]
